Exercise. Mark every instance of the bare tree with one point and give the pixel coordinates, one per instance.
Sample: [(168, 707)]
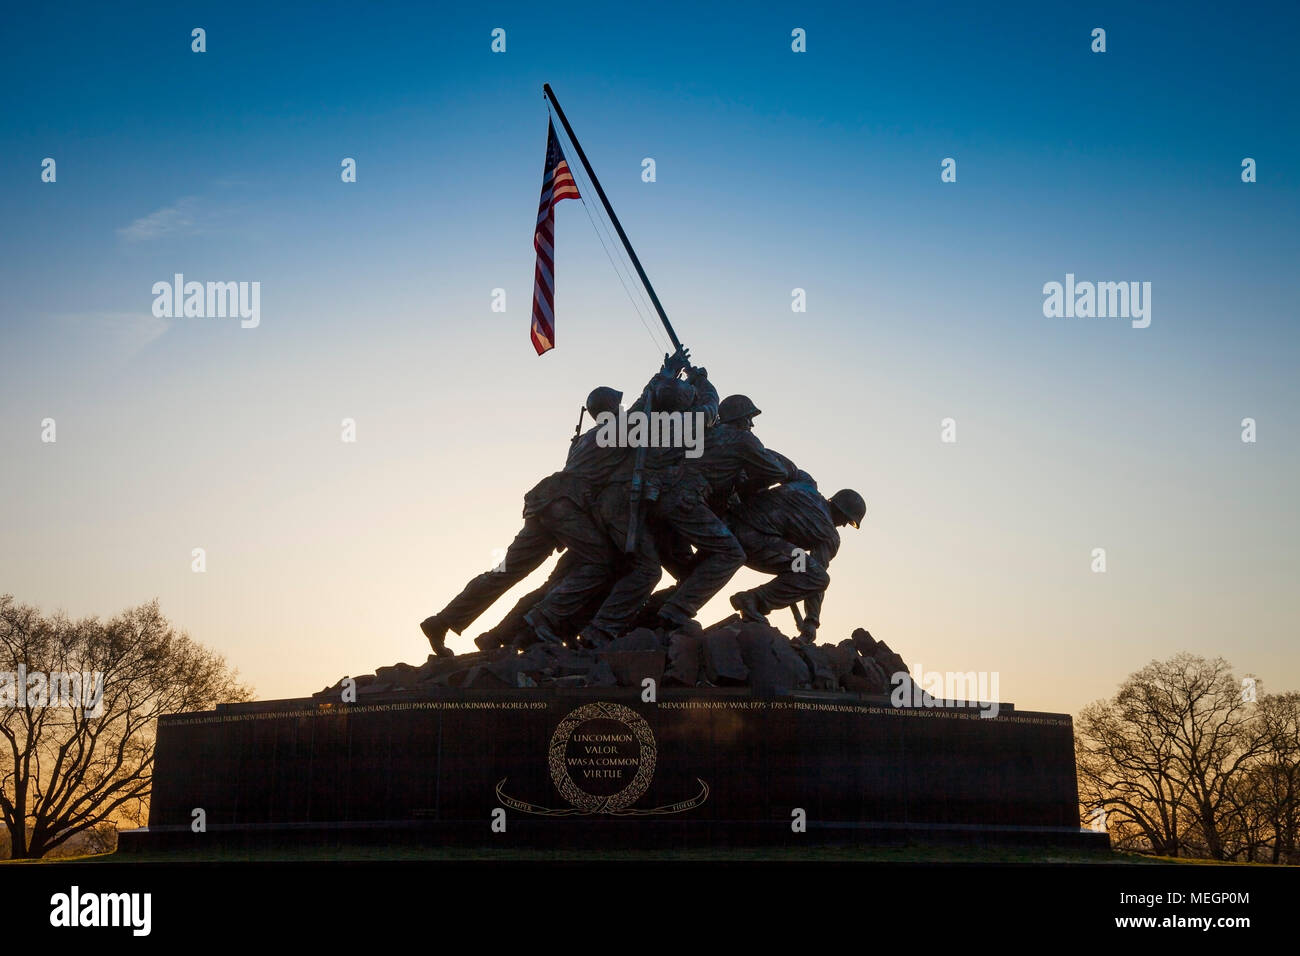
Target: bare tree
[(79, 761), (1189, 761), (1198, 706), (1245, 825), (1128, 772), (1276, 776)]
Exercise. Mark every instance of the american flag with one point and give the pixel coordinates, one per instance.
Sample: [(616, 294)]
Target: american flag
[(557, 184)]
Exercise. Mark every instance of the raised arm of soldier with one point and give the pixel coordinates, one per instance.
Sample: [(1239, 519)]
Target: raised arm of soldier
[(667, 392), (706, 396)]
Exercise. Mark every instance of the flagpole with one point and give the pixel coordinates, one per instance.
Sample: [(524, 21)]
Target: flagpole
[(618, 226)]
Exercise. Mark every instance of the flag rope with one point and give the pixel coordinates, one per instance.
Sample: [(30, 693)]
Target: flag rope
[(636, 306)]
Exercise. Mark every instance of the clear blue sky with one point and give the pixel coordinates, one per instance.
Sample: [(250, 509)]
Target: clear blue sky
[(775, 170)]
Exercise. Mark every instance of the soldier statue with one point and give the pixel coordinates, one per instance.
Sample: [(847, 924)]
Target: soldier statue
[(681, 503), (556, 516), (790, 531)]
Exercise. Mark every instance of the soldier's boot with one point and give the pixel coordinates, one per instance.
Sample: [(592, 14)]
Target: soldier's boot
[(747, 603), (594, 638), (692, 628), (672, 617), (541, 629), (807, 632), (436, 631), (488, 641)]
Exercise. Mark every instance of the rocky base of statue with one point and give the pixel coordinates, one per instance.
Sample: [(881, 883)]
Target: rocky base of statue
[(731, 735), (730, 653)]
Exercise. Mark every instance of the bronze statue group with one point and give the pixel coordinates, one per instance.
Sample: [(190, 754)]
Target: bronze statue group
[(622, 515)]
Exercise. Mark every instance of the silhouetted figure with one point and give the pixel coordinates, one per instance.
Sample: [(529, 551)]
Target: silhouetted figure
[(622, 514), (790, 531), (556, 516), (682, 506)]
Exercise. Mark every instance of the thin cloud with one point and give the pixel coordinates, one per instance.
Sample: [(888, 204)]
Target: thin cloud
[(112, 335), (180, 218)]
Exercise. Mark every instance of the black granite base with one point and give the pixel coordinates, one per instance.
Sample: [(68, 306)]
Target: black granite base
[(600, 767)]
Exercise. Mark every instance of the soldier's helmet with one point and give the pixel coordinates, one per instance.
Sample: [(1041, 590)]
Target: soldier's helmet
[(736, 409), (850, 505), (603, 399)]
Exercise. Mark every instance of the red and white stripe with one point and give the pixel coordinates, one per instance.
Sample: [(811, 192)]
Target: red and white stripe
[(557, 184)]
